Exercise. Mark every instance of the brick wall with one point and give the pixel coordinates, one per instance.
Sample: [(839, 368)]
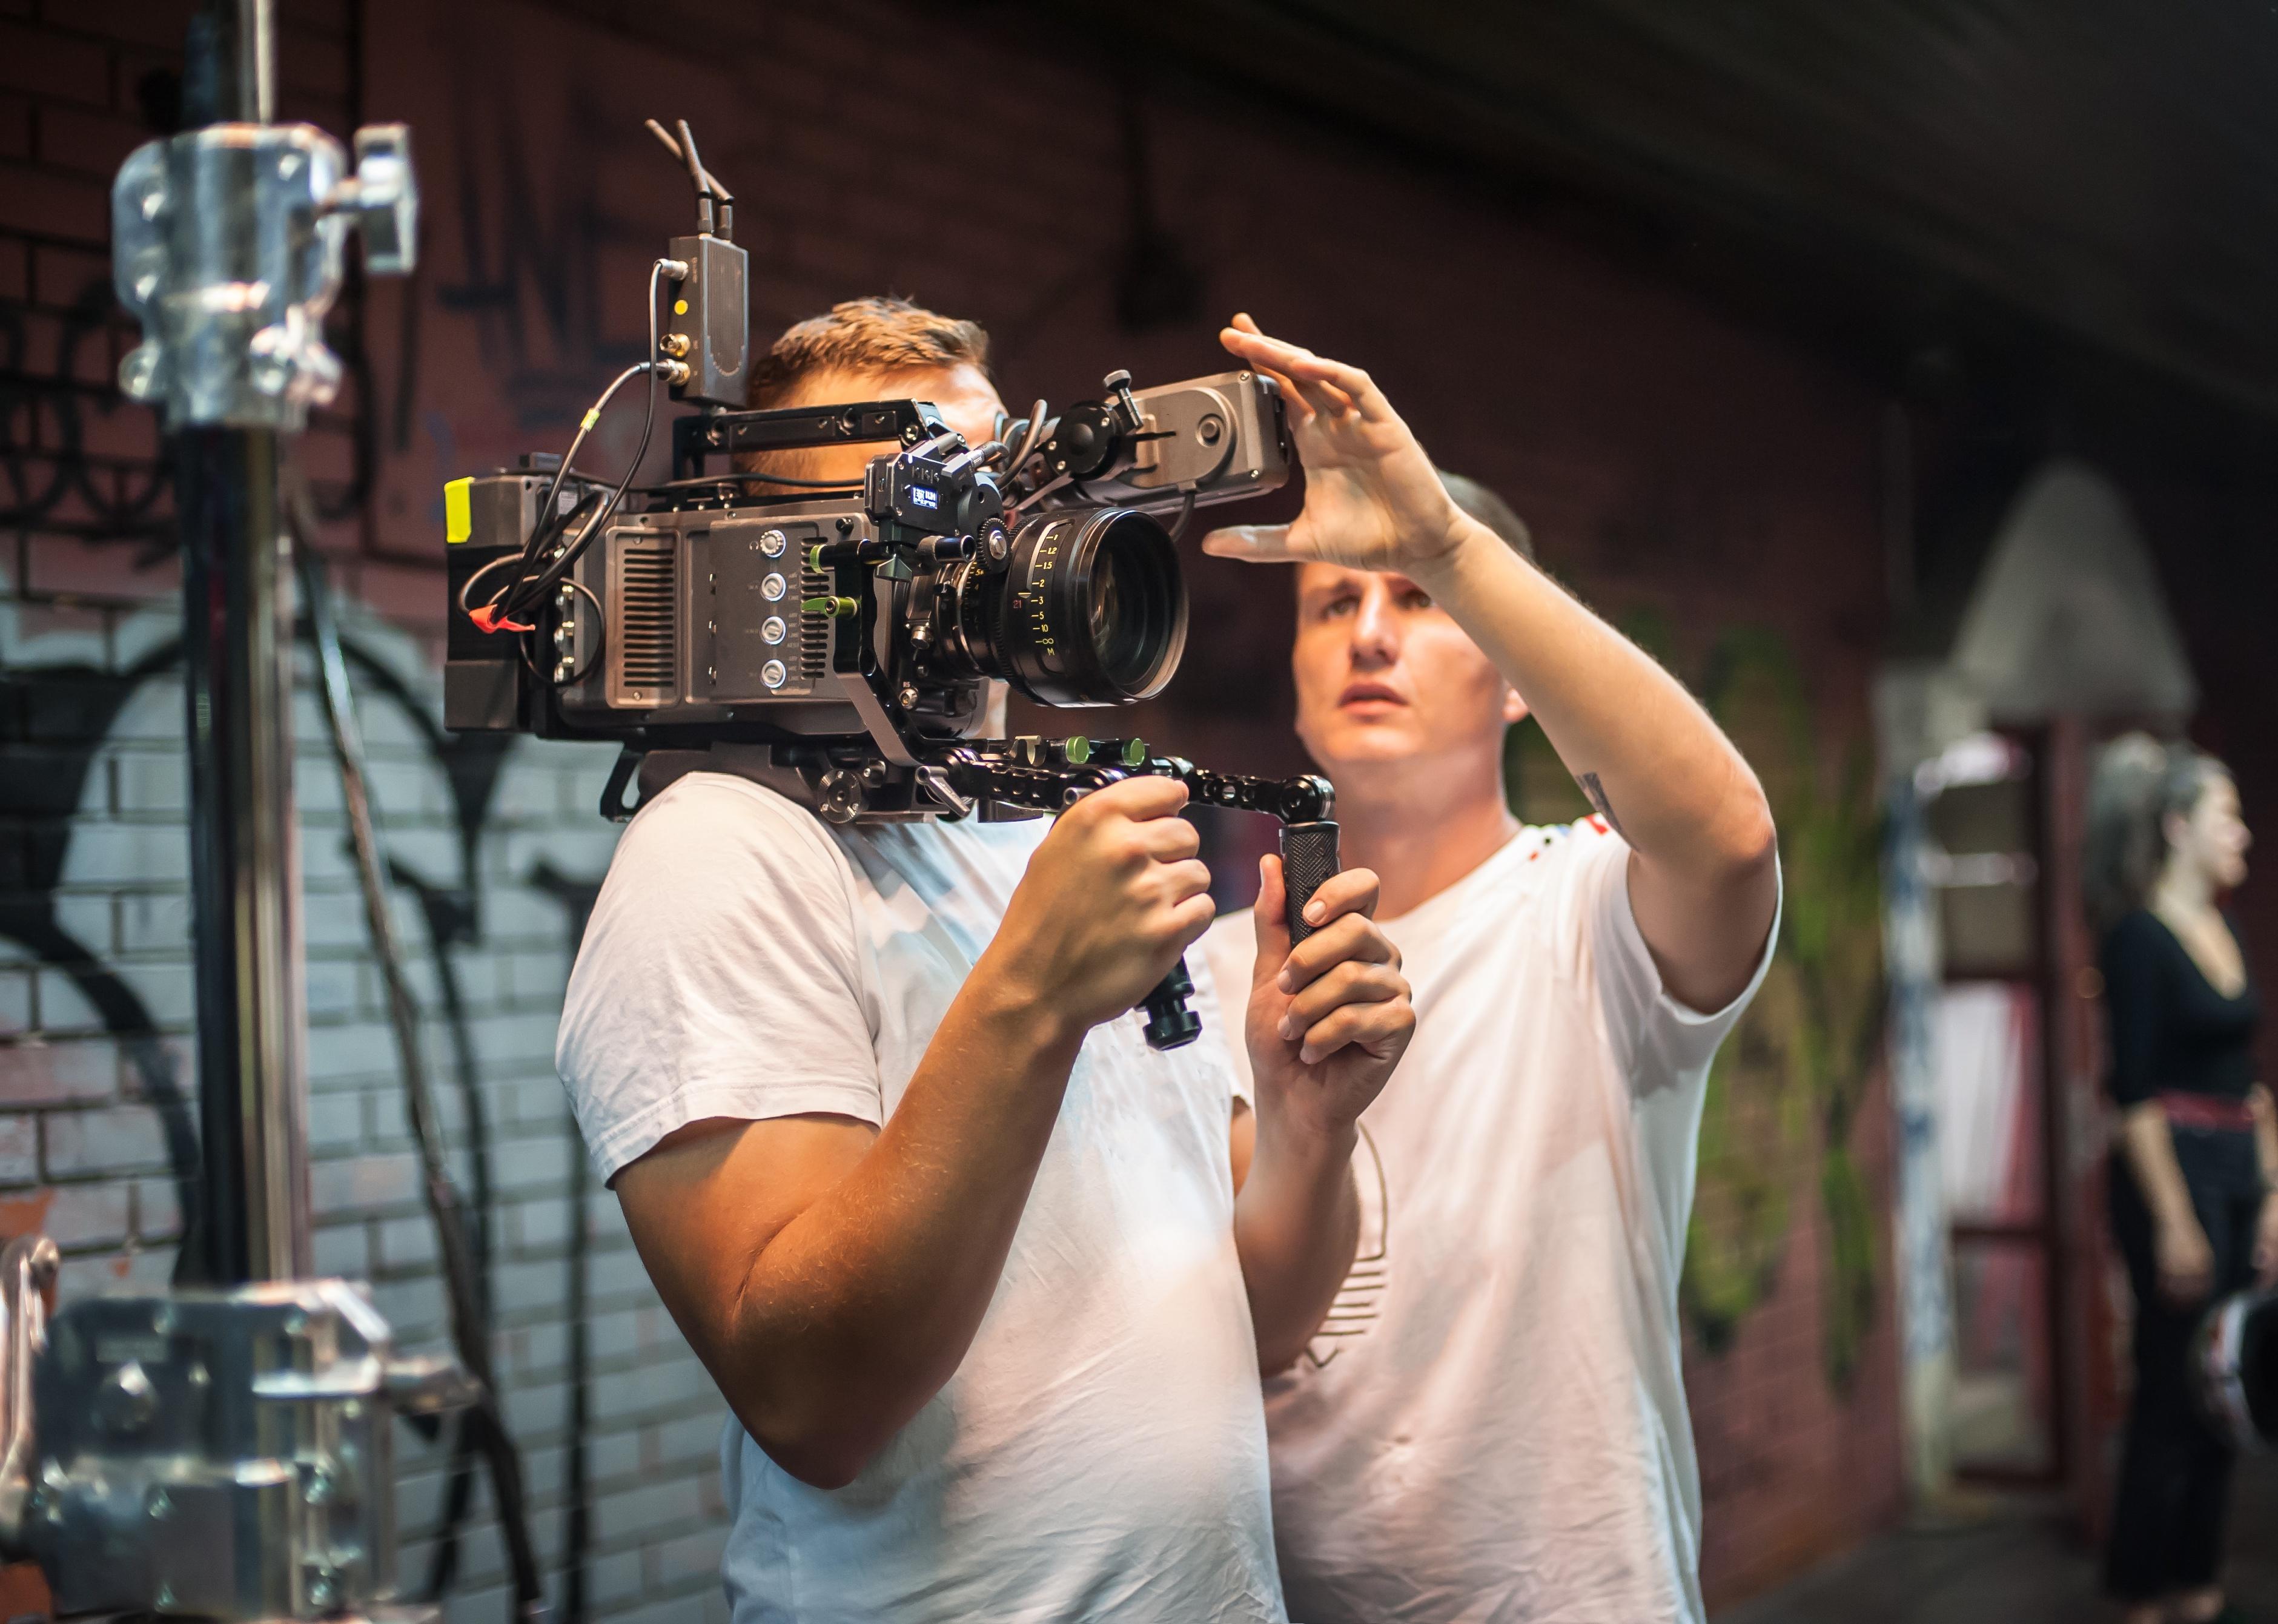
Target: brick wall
[(1673, 465)]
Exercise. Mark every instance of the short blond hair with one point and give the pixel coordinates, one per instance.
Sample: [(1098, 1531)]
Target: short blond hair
[(877, 334), (865, 335)]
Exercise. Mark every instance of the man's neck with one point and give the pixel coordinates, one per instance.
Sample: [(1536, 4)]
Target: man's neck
[(1419, 832)]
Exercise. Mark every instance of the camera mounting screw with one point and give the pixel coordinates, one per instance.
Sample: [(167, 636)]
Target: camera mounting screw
[(907, 697), (1118, 383)]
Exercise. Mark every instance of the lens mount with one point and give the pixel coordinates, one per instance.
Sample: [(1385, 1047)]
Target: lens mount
[(1090, 609)]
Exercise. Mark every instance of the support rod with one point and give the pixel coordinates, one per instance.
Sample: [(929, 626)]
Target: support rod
[(245, 861)]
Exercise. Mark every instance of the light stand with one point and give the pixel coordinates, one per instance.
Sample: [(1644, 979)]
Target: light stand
[(226, 1452)]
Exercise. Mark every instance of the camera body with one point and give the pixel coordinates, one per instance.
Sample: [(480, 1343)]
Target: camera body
[(851, 625), (843, 644)]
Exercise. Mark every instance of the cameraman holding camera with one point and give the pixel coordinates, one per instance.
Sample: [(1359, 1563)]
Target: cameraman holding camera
[(1491, 1424), (966, 1257)]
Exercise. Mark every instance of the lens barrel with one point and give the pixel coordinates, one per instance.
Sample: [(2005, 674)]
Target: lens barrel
[(1090, 609)]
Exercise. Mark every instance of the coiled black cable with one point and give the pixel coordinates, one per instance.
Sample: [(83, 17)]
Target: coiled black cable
[(470, 1331)]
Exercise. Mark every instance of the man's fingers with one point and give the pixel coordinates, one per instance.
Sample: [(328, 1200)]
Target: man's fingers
[(1288, 365), (1184, 881), (1258, 544), (1191, 917), (1350, 387), (1348, 983), (1351, 890), (1379, 1028), (1352, 936), (1270, 922), (1168, 839), (1138, 798)]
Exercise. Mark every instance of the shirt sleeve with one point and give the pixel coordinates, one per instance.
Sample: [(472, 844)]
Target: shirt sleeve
[(1657, 1040), (2130, 967), (721, 975)]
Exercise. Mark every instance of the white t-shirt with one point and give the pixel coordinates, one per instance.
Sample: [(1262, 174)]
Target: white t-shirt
[(1100, 1453), (1491, 1425)]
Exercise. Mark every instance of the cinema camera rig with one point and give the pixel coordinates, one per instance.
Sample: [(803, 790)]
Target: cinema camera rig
[(843, 644)]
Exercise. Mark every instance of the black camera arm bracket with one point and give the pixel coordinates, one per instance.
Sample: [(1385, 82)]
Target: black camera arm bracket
[(1302, 806)]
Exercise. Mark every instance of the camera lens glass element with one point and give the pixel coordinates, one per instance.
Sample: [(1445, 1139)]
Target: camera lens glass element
[(1091, 610)]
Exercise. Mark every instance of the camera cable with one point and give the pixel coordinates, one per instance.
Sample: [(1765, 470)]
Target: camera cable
[(469, 1319), (523, 596)]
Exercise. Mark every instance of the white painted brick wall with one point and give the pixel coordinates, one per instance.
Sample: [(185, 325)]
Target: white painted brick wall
[(77, 1136)]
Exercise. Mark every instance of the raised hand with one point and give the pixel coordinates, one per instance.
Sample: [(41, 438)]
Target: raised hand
[(1373, 499)]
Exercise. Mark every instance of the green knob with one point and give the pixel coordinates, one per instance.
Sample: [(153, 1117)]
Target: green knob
[(835, 608), (1075, 751), (1135, 752)]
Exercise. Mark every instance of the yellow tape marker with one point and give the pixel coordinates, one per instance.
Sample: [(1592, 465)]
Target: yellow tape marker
[(680, 307), (458, 510)]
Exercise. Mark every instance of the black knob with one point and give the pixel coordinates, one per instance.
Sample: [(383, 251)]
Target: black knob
[(1170, 1024)]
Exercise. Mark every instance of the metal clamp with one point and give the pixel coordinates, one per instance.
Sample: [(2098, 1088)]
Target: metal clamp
[(227, 1454), (228, 245)]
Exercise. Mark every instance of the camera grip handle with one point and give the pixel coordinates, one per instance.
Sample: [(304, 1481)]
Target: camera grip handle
[(1308, 857)]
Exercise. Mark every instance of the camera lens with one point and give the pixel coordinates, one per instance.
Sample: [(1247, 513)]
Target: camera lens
[(1090, 610)]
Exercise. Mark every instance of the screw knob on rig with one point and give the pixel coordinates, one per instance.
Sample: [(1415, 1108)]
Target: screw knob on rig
[(1170, 1024)]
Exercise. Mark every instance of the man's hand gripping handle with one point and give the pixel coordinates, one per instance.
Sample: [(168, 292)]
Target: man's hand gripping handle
[(1309, 856)]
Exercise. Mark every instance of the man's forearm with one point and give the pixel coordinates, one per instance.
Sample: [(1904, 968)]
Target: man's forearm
[(859, 1310), (1646, 753), (1297, 1222)]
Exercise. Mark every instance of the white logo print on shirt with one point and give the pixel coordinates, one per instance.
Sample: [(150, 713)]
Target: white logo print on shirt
[(1360, 1299)]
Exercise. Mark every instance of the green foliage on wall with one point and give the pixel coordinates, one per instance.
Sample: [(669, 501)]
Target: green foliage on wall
[(1786, 1087)]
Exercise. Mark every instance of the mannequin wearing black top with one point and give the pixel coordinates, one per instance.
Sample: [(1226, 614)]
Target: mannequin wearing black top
[(2190, 1207)]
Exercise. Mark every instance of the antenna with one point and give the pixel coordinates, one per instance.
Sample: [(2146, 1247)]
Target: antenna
[(709, 189)]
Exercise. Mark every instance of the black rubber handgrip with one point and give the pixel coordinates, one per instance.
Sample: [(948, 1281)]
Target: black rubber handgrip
[(1170, 1024), (1309, 856)]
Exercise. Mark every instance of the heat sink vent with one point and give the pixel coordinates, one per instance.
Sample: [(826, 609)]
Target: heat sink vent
[(647, 625), (814, 629)]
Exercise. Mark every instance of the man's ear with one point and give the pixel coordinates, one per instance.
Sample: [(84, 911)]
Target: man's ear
[(1514, 708)]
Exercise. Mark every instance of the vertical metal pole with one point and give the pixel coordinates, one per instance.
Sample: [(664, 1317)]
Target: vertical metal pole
[(245, 860)]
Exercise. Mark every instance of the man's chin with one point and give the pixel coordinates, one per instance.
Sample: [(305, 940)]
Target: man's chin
[(1360, 748)]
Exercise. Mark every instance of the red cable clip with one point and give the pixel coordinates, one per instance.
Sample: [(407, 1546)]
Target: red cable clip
[(487, 618)]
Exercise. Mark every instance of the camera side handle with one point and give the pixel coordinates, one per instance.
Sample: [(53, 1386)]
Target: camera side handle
[(1309, 856)]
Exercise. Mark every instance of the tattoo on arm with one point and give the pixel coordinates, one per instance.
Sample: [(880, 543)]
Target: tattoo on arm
[(1596, 791)]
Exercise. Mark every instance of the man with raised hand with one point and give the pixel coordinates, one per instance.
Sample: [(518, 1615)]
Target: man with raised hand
[(1491, 1422), (963, 1254)]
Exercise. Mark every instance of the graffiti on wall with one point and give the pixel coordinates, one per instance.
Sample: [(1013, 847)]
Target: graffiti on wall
[(65, 713)]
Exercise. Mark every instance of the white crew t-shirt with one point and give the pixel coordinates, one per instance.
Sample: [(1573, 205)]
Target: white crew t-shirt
[(1100, 1453), (1491, 1425)]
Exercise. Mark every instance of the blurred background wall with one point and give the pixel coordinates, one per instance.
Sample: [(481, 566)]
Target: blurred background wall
[(1764, 321)]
